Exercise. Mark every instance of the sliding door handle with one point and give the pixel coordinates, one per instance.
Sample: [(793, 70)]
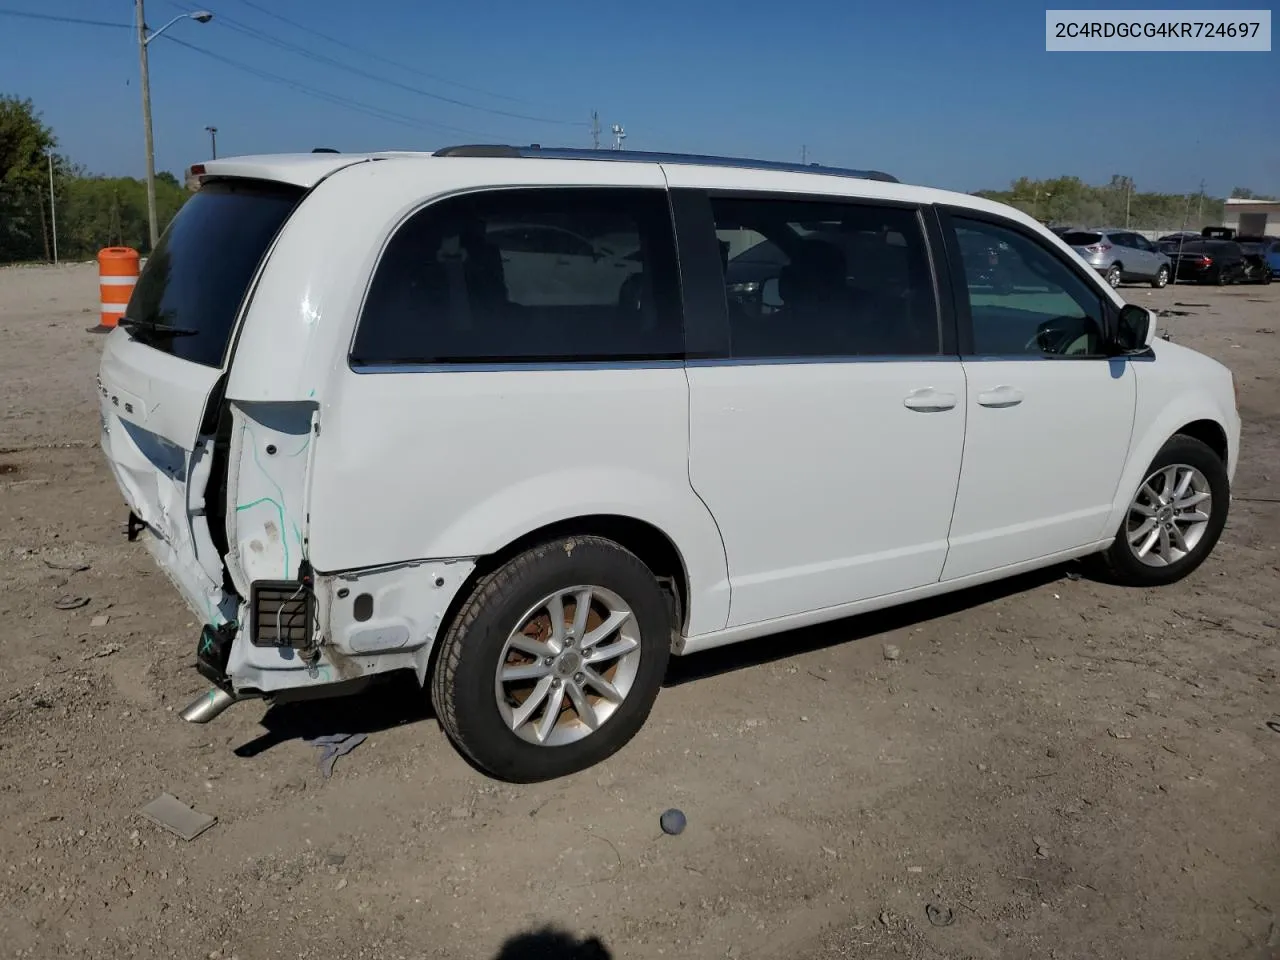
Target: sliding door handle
[(1000, 397), (929, 400)]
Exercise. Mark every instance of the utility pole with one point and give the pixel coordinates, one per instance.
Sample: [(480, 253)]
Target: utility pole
[(144, 38), (595, 130), (53, 209), (804, 154), (152, 221), (619, 134), (1200, 206), (213, 142), (1128, 191)]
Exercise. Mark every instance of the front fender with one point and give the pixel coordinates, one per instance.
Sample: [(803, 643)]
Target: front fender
[(1161, 413)]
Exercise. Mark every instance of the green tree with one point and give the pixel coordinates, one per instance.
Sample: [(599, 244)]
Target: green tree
[(25, 143)]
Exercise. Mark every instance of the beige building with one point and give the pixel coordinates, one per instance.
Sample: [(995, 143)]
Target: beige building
[(1252, 217)]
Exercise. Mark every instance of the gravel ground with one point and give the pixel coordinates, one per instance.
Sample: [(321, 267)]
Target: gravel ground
[(1060, 768)]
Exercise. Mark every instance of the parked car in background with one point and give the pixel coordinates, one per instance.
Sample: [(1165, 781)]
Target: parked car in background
[(1208, 261), (1179, 235), (1256, 258), (1121, 255), (1273, 258)]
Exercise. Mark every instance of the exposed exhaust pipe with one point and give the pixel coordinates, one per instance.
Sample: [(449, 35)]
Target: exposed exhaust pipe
[(208, 705)]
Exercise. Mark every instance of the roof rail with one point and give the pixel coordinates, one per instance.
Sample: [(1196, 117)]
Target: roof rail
[(643, 156)]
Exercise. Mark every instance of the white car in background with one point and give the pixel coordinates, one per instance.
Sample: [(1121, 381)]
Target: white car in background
[(387, 412)]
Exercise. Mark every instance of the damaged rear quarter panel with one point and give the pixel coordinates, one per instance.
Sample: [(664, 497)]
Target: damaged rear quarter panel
[(269, 461)]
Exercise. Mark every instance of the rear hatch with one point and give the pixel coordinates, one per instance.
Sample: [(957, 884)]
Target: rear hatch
[(162, 373), (1087, 243)]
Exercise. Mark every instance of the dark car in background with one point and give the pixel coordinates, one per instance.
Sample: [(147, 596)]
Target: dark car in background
[(1207, 261), (1258, 257)]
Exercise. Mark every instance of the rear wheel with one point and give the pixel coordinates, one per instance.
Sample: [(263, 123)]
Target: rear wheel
[(1113, 275), (1174, 519), (1161, 278), (554, 661)]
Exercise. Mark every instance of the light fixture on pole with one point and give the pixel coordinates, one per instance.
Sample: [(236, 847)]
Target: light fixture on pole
[(145, 37), (213, 142)]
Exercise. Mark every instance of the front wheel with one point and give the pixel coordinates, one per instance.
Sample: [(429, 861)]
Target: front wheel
[(1174, 519), (1113, 276), (554, 661), (1161, 278)]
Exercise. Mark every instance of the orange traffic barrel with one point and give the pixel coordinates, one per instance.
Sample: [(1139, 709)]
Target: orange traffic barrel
[(117, 274)]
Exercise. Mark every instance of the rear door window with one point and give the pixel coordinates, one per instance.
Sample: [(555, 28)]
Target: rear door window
[(821, 279), (189, 294), (1081, 238)]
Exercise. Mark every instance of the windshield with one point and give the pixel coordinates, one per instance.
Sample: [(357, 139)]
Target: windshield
[(189, 294), (1080, 238)]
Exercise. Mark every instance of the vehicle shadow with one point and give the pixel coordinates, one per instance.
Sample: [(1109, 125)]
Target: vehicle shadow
[(754, 653), (385, 702), (551, 944), (394, 700)]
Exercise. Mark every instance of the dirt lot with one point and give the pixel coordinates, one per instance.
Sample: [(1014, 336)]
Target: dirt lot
[(1069, 769)]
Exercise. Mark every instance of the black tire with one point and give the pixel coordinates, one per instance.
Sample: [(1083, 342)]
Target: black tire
[(1114, 275), (1119, 563), (463, 684), (1161, 278)]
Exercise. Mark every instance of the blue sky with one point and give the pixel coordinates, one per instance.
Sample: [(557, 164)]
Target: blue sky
[(956, 95)]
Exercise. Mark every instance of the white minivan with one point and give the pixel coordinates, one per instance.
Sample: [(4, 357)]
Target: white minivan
[(527, 421)]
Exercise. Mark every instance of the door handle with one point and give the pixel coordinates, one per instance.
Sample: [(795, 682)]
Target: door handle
[(929, 400), (1000, 397)]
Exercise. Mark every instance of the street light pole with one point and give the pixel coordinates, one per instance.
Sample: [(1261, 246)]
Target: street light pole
[(53, 209), (213, 142), (144, 39), (152, 221)]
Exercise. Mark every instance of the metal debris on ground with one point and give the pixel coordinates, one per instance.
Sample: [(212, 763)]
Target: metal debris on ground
[(335, 745), (73, 567), (673, 822), (71, 603), (939, 915), (175, 816)]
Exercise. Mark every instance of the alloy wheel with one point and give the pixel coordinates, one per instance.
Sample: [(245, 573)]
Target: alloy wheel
[(1169, 515), (568, 665)]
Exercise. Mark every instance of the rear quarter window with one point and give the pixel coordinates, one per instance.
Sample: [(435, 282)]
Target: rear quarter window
[(524, 276), (189, 294)]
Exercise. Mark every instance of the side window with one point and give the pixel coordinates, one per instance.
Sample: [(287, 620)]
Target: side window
[(1024, 300), (525, 276), (825, 279)]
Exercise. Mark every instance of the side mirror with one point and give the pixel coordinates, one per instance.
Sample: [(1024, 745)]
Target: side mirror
[(769, 295), (1136, 329)]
